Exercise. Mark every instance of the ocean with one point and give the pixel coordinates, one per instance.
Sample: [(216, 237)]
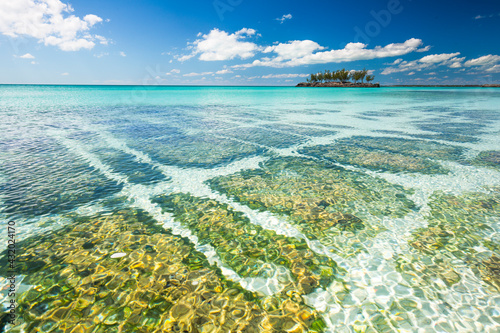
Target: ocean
[(252, 209)]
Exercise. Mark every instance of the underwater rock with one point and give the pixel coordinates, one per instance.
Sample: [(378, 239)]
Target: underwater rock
[(136, 172), (459, 226), (451, 137), (162, 285), (387, 154), (324, 202), (246, 247), (489, 158), (490, 271), (373, 159), (201, 150)]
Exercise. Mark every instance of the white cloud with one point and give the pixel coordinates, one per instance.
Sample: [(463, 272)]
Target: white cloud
[(34, 63), (435, 58), (48, 21), (395, 62), (424, 49), (284, 18), (123, 54), (489, 59), (198, 74), (65, 74), (493, 69), (427, 62), (102, 40), (352, 52), (478, 17), (223, 71), (411, 73), (487, 63), (27, 56), (283, 76), (293, 49), (102, 54), (219, 45), (174, 71)]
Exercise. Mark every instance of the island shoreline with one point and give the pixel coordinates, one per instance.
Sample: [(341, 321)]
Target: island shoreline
[(377, 85)]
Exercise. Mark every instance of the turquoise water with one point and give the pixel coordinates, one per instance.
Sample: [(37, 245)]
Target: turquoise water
[(255, 208)]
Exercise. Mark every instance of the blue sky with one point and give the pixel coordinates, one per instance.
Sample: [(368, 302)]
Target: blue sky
[(243, 42)]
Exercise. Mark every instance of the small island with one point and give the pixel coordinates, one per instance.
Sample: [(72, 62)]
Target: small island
[(341, 78)]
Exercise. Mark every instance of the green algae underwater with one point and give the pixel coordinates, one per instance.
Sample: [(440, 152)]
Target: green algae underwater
[(231, 216)]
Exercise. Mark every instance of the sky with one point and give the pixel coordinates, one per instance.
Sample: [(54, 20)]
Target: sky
[(247, 42)]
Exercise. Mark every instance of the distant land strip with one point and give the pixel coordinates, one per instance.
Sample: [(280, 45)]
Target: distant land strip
[(339, 84), (377, 85)]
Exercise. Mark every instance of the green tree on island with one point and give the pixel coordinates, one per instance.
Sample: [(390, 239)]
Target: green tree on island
[(342, 76)]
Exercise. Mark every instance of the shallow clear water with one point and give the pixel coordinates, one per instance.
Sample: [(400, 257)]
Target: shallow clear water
[(200, 209)]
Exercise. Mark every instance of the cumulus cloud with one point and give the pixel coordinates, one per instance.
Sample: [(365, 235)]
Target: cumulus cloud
[(223, 71), (220, 45), (487, 63), (427, 62), (198, 74), (283, 76), (493, 69), (298, 53), (102, 40), (27, 56), (123, 54), (293, 49), (435, 58), (424, 49), (395, 62), (50, 22), (284, 18), (486, 60)]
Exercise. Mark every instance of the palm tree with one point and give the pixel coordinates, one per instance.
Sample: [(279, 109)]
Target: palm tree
[(327, 76), (336, 76), (357, 75), (320, 77), (364, 73), (343, 75)]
